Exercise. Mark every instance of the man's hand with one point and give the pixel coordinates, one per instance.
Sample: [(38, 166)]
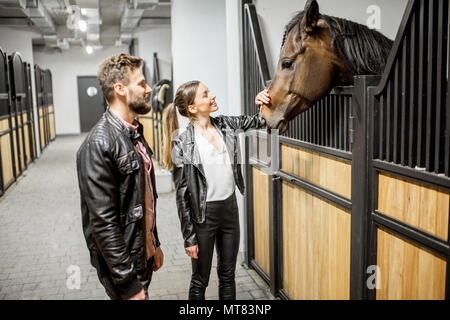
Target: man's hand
[(138, 296), (158, 259), (192, 251)]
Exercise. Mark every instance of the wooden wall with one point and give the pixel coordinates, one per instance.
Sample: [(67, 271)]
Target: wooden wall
[(316, 234), (15, 146), (5, 149), (148, 124), (20, 146), (26, 131), (415, 204), (330, 173), (261, 218), (41, 127), (148, 130), (51, 120), (316, 246), (408, 271)]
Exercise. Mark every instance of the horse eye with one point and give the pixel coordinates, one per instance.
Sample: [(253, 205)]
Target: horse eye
[(286, 64)]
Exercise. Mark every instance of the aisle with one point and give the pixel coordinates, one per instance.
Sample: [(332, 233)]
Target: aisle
[(42, 245)]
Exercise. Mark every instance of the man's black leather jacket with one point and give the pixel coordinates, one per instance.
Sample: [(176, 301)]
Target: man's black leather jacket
[(111, 180), (188, 174)]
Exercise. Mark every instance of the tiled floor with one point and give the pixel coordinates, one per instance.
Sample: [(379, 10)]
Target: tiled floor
[(42, 248)]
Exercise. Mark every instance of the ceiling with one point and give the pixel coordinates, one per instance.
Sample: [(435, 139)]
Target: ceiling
[(106, 22)]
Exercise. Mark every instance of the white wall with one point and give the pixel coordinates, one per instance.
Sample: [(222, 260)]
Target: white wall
[(274, 15), (66, 66), (159, 40), (19, 39), (199, 46)]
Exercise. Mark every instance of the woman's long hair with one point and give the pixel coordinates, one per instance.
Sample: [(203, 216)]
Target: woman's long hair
[(184, 97), (170, 124)]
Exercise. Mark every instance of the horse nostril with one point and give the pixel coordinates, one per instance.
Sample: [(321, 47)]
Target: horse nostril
[(280, 124)]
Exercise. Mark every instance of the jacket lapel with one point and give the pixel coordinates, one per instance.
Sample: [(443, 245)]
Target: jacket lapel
[(193, 156), (228, 138)]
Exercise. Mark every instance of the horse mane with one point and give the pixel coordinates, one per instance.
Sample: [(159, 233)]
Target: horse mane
[(363, 50)]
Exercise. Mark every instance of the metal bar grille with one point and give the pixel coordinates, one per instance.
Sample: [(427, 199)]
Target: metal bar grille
[(326, 122), (256, 72), (412, 104)]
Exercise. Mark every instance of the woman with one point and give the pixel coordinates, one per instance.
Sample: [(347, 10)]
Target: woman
[(206, 171)]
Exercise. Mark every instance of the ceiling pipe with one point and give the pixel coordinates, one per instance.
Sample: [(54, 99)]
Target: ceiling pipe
[(36, 12), (13, 4)]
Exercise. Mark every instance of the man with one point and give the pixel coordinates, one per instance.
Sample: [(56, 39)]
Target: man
[(117, 185)]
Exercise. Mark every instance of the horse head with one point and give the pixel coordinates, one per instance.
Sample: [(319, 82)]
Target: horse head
[(319, 52)]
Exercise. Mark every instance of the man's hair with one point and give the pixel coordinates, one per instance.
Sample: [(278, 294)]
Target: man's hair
[(116, 69)]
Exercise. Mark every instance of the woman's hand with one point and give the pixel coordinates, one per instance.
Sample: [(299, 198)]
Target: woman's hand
[(262, 97), (192, 251)]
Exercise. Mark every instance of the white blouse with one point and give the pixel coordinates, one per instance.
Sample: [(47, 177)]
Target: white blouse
[(217, 168)]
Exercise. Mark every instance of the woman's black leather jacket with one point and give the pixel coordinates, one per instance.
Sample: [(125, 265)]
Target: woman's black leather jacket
[(188, 173)]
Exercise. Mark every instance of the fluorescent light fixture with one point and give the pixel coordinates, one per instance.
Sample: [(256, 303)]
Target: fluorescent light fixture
[(89, 49), (82, 25)]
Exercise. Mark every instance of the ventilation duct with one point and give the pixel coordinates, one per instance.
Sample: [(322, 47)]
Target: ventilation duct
[(39, 16), (133, 13), (141, 4), (130, 19), (52, 41), (13, 4)]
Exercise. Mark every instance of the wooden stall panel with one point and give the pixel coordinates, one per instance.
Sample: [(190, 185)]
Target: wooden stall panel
[(33, 137), (407, 271), (52, 126), (316, 246), (41, 127), (20, 132), (51, 119), (15, 149), (148, 131), (26, 129), (418, 205), (5, 149), (261, 218), (332, 174)]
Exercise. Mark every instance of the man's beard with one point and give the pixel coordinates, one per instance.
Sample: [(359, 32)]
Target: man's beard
[(140, 105)]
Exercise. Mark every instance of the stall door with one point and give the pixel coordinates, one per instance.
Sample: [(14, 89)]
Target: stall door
[(91, 102)]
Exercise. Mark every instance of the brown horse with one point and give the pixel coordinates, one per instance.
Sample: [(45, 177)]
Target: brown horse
[(319, 52)]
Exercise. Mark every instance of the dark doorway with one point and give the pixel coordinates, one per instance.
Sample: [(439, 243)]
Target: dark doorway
[(91, 102)]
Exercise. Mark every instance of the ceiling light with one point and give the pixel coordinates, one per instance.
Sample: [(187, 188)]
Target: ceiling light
[(82, 25), (89, 49)]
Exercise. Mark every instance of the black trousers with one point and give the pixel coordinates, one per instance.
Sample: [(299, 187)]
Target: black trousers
[(221, 229)]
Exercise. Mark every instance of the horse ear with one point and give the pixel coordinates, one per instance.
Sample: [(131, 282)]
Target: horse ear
[(310, 17)]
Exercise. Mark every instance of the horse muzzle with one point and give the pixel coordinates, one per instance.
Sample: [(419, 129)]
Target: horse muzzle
[(279, 124), (274, 120)]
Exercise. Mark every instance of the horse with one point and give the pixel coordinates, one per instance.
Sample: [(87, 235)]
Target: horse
[(319, 52)]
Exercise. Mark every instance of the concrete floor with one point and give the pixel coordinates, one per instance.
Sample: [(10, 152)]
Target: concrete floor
[(42, 248)]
